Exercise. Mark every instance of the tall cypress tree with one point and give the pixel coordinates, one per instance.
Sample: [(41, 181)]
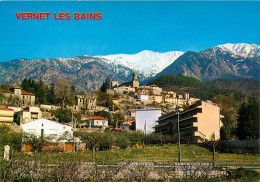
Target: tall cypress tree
[(105, 85), (248, 119)]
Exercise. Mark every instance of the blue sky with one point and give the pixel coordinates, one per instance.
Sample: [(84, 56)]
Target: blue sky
[(126, 27)]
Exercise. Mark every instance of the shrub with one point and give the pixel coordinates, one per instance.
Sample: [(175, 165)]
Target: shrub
[(122, 142)]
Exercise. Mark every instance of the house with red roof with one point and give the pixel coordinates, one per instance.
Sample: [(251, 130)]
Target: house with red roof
[(97, 121), (126, 125), (6, 116), (26, 98)]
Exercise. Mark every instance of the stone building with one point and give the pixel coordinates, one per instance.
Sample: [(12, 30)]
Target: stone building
[(86, 101), (135, 82), (124, 87), (25, 98), (28, 114), (200, 120)]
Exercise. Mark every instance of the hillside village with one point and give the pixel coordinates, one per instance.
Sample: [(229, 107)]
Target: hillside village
[(145, 108)]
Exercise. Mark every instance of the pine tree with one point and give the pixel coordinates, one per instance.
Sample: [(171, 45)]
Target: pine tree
[(105, 85), (248, 119)]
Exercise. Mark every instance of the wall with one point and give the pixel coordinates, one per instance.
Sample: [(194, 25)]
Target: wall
[(208, 121), (149, 117)]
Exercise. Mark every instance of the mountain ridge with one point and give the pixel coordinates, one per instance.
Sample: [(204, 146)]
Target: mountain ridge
[(214, 63), (88, 72), (147, 62)]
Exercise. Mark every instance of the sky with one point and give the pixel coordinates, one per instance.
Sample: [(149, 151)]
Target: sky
[(125, 27)]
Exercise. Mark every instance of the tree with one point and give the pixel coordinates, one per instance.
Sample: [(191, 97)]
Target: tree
[(9, 137), (107, 141), (224, 133), (63, 115), (118, 119), (92, 141), (41, 92), (62, 92), (248, 119), (51, 97), (105, 85)]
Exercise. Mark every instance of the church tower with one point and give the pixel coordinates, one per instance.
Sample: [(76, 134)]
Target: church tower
[(135, 80)]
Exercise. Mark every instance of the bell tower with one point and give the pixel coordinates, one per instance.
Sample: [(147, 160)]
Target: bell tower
[(135, 80)]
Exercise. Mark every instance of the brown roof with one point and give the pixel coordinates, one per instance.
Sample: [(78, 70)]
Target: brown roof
[(127, 123), (8, 109), (17, 87), (6, 91), (26, 93), (23, 92), (118, 129), (153, 85), (97, 118)]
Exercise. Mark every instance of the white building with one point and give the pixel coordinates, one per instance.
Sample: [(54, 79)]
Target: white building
[(145, 119), (97, 121), (47, 128), (143, 97)]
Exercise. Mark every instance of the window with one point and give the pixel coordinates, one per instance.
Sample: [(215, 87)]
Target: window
[(53, 132)]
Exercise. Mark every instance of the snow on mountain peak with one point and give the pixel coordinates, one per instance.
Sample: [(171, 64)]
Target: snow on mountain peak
[(147, 62), (242, 49)]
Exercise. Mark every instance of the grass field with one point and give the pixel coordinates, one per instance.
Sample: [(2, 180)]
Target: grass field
[(156, 154), (169, 153)]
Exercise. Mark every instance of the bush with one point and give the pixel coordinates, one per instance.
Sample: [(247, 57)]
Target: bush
[(9, 137), (122, 142), (242, 173), (107, 141)]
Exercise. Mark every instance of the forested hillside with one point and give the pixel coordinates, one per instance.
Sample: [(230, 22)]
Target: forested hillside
[(245, 86), (196, 88)]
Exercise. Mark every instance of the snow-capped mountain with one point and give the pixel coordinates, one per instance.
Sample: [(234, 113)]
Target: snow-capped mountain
[(242, 49), (85, 72), (223, 61), (146, 62)]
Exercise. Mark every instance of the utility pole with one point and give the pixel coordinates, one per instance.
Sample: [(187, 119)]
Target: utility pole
[(179, 137)]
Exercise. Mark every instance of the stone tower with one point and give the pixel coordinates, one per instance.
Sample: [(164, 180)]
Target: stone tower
[(135, 80)]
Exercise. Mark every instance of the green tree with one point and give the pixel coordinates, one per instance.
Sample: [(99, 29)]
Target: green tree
[(118, 119), (51, 97), (10, 137), (92, 141), (248, 119), (224, 133), (105, 85), (63, 115), (107, 141), (122, 142), (104, 114)]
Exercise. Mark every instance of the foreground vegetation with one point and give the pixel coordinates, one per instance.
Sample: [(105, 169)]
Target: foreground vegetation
[(76, 166), (157, 154)]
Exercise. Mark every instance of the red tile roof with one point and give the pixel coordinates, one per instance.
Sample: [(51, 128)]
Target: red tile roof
[(6, 91), (97, 118), (118, 129), (17, 87), (7, 109), (23, 92), (153, 85), (127, 123), (26, 93)]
